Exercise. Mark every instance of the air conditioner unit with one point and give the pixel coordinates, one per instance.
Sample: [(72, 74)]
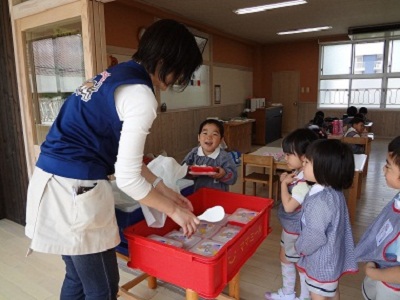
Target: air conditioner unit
[(374, 31)]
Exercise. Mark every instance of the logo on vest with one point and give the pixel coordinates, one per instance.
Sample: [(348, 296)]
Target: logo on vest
[(91, 86)]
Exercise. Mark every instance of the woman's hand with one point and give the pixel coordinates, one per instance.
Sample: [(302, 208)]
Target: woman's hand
[(185, 219), (182, 213), (174, 196)]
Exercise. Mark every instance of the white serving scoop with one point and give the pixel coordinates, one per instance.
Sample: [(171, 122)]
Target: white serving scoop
[(213, 214)]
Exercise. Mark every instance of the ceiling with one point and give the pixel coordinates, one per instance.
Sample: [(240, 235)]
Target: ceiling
[(262, 27)]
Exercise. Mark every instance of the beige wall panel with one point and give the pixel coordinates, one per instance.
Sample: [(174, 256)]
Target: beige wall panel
[(236, 84), (72, 10), (24, 93), (36, 6), (176, 132)]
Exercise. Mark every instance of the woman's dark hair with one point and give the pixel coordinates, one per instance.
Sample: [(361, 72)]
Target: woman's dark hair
[(216, 123), (297, 141), (173, 47), (351, 111), (333, 163)]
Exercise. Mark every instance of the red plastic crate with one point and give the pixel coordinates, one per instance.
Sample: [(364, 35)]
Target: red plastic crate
[(208, 276)]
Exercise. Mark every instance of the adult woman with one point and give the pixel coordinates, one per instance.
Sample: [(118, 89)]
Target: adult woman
[(70, 207)]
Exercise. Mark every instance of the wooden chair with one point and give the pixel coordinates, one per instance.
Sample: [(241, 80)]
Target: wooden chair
[(365, 141), (267, 177)]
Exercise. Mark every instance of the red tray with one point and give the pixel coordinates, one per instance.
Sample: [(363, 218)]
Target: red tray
[(203, 169), (208, 276)]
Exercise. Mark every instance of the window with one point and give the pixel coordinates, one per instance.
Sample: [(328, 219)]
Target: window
[(57, 68), (362, 73)]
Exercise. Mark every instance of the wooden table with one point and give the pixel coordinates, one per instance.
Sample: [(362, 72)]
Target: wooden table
[(354, 192), (365, 140), (280, 163)]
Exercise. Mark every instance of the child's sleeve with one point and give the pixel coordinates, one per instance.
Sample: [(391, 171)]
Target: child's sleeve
[(390, 275), (314, 221), (230, 169), (189, 158), (300, 191)]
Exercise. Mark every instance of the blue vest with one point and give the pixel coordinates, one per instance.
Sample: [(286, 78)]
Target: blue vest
[(83, 141), (379, 235)]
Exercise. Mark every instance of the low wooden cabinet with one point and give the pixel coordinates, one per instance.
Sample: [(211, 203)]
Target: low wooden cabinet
[(238, 135)]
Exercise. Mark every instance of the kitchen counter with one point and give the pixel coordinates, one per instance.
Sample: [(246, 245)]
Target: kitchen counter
[(238, 135)]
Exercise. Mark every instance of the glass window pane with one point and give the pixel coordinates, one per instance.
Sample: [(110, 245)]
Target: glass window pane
[(334, 93), (59, 69), (395, 56), (336, 59), (368, 58), (71, 71), (366, 92), (393, 93), (45, 66), (56, 68)]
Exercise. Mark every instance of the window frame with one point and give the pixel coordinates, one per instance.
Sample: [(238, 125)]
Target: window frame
[(384, 75)]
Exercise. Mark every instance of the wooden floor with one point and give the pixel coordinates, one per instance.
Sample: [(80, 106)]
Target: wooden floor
[(40, 275)]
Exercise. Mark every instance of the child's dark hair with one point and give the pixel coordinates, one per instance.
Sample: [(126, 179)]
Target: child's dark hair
[(319, 113), (395, 155), (298, 140), (333, 163), (363, 110), (394, 144), (172, 46), (394, 150), (217, 123), (351, 111), (318, 120), (357, 120)]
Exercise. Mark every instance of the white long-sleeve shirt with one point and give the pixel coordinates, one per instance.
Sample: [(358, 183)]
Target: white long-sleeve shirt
[(137, 108)]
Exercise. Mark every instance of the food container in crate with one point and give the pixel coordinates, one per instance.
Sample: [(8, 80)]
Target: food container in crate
[(206, 275)]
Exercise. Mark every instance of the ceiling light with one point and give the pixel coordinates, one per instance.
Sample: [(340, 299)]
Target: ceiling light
[(305, 30), (254, 9)]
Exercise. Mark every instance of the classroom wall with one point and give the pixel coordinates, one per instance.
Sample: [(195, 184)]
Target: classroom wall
[(298, 56), (230, 62), (236, 54), (225, 49), (122, 24), (303, 56), (228, 51), (233, 55)]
